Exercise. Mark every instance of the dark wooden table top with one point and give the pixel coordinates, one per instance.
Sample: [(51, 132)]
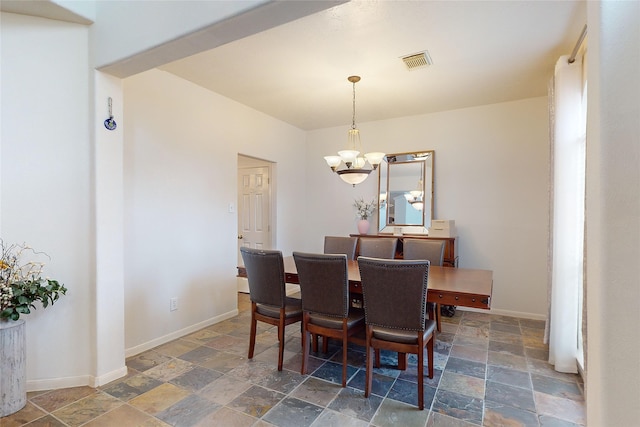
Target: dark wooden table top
[(446, 285)]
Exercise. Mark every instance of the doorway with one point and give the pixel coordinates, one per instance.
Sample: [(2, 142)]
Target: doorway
[(255, 219)]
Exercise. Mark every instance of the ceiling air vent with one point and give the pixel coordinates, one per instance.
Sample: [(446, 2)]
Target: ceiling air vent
[(417, 60)]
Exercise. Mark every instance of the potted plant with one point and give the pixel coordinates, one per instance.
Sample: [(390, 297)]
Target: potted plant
[(21, 286), (363, 211)]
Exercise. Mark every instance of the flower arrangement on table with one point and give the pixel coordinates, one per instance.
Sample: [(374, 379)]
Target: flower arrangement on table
[(364, 209), (22, 284)]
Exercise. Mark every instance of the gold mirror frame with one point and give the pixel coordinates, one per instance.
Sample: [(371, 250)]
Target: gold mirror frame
[(405, 180)]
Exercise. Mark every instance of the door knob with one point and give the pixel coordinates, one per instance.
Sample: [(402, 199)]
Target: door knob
[(240, 236)]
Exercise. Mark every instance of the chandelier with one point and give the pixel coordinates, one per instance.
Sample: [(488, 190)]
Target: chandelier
[(348, 164)]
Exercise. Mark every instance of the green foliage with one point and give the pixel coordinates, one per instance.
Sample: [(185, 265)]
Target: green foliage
[(21, 283), (26, 293)]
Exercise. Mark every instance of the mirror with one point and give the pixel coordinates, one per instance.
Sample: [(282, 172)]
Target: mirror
[(405, 193)]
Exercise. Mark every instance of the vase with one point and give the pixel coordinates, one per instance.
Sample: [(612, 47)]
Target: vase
[(363, 226), (13, 364)]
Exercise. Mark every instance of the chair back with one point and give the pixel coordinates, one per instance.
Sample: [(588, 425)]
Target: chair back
[(378, 248), (324, 283), (431, 250), (341, 245), (265, 274), (394, 292)]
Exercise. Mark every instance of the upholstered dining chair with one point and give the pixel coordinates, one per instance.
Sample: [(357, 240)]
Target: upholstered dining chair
[(395, 293), (433, 251), (269, 301), (324, 287), (378, 248), (341, 245)]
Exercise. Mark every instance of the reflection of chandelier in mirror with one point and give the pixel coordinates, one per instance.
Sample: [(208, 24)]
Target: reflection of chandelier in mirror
[(414, 197), (354, 171), (417, 204)]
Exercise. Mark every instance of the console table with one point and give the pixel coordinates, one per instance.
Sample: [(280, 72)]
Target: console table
[(450, 252)]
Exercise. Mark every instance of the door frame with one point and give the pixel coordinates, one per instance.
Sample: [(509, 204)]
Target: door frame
[(247, 161)]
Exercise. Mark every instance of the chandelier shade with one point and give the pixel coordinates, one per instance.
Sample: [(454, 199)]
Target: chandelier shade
[(349, 164), (417, 204), (354, 176)]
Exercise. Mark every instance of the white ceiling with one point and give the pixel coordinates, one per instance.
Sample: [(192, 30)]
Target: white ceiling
[(483, 52)]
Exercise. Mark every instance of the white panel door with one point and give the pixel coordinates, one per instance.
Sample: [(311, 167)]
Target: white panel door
[(253, 211), (253, 208)]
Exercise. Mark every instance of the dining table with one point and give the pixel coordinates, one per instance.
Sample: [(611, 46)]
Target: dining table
[(463, 287)]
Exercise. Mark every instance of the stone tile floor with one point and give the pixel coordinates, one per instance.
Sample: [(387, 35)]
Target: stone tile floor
[(490, 370)]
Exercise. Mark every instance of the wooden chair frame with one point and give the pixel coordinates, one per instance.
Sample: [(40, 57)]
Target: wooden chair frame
[(269, 302), (394, 293), (325, 302)]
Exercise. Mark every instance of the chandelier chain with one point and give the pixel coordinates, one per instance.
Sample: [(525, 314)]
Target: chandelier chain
[(353, 118)]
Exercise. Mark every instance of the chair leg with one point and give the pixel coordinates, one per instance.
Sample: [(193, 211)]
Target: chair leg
[(402, 361), (369, 368), (281, 340), (325, 344), (434, 314), (305, 344), (420, 374), (377, 357), (252, 333), (430, 354)]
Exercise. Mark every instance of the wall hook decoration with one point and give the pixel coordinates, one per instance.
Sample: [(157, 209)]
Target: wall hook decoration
[(110, 123)]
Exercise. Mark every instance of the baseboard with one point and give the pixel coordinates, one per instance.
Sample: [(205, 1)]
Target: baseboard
[(509, 313), (178, 334), (79, 381), (55, 383), (108, 377)]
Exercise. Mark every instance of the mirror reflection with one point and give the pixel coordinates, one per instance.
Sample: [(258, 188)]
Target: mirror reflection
[(406, 193)]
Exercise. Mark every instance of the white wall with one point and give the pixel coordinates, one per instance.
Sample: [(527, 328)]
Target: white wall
[(108, 230), (180, 172), (613, 215), (491, 176), (46, 194)]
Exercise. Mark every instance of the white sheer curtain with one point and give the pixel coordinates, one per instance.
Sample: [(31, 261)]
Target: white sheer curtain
[(567, 238)]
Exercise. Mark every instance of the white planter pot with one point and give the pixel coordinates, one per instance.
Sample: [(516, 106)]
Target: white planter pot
[(13, 366)]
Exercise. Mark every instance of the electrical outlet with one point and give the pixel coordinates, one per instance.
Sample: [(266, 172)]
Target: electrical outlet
[(173, 304)]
